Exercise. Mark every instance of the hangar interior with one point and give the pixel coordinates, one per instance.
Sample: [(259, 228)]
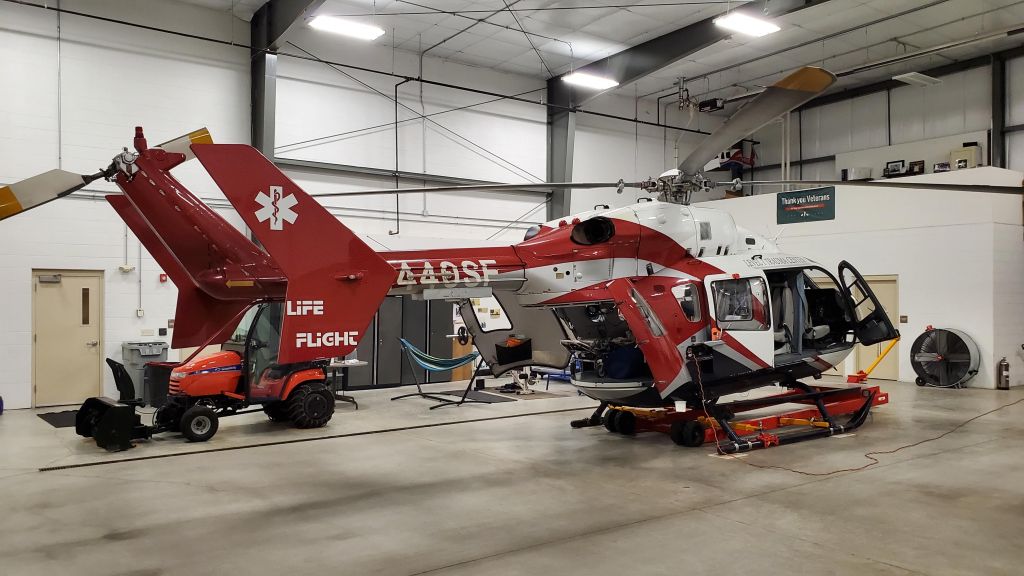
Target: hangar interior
[(512, 303)]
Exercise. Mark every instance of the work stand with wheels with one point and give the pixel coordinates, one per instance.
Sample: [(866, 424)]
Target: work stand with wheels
[(819, 416)]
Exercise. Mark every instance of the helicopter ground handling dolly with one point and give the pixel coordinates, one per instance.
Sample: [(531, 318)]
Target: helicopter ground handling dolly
[(818, 417)]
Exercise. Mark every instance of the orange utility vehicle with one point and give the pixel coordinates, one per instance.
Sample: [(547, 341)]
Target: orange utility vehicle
[(244, 373)]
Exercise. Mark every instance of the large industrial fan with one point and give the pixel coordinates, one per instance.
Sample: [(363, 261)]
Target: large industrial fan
[(944, 358)]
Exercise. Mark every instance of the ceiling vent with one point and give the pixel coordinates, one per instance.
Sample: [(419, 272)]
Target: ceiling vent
[(917, 79)]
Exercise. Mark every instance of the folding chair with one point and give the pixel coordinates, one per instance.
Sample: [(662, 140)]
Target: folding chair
[(434, 364)]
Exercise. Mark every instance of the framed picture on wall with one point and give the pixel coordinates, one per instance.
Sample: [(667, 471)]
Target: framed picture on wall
[(896, 167)]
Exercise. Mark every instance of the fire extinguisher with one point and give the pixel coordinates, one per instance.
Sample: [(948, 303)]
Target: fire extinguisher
[(1003, 375)]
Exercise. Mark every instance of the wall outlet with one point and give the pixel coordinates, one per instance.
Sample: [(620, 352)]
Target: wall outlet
[(140, 312)]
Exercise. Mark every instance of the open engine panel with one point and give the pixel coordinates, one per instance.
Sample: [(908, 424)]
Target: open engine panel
[(601, 342)]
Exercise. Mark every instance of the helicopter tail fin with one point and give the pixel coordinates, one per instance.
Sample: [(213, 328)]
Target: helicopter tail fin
[(335, 281), (199, 317)]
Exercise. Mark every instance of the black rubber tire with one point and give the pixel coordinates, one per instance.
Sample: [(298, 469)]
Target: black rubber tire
[(625, 423), (310, 405), (608, 420), (276, 411), (689, 433), (920, 381), (199, 423)]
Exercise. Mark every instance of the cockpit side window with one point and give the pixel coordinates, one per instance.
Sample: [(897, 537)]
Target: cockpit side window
[(689, 300), (741, 304)]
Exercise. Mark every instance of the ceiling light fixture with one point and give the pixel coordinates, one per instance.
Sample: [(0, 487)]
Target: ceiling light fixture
[(590, 81), (744, 24), (346, 27), (917, 79)]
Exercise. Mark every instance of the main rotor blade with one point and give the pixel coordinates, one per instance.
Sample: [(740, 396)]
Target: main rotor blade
[(39, 190), (471, 187), (883, 184), (183, 144), (779, 98)]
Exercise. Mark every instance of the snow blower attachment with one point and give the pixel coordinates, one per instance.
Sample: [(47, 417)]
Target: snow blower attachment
[(317, 285)]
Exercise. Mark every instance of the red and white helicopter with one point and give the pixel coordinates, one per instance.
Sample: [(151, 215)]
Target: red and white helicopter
[(651, 304)]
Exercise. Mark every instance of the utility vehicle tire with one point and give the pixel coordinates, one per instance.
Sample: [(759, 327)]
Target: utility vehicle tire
[(625, 423), (609, 419), (689, 433), (310, 405), (199, 423), (276, 411)]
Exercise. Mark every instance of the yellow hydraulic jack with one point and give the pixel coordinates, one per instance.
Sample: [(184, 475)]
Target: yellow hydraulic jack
[(862, 375)]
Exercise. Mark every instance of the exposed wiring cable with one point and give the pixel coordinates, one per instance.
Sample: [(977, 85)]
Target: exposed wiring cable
[(497, 159), (420, 116)]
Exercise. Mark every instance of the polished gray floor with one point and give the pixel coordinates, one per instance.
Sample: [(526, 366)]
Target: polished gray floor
[(526, 495)]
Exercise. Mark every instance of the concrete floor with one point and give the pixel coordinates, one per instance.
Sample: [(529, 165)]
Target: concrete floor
[(524, 495)]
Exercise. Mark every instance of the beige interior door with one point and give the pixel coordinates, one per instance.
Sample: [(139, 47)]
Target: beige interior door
[(886, 288), (67, 350)]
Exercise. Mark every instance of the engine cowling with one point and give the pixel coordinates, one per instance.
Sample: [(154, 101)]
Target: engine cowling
[(207, 376)]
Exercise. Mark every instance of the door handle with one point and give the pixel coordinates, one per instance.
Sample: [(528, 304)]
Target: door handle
[(92, 343)]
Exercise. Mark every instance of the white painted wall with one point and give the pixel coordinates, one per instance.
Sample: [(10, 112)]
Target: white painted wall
[(111, 78), (609, 150), (910, 123), (502, 141), (959, 256), (932, 151)]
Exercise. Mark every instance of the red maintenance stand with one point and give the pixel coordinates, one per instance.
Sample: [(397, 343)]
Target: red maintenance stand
[(723, 424)]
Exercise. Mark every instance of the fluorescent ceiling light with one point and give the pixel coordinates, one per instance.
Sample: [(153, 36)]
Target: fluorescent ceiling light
[(346, 27), (917, 79), (590, 81), (744, 24)]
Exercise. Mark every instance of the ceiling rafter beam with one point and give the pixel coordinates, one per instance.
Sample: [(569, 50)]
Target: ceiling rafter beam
[(275, 18), (648, 57), (266, 30)]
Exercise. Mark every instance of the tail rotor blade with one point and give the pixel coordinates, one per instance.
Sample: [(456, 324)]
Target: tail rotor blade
[(39, 190), (785, 95), (183, 144)]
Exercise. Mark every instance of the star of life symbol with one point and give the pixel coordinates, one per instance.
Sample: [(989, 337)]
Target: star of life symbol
[(276, 208)]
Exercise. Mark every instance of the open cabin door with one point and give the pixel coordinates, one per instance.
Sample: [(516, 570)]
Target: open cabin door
[(871, 324), (538, 324)]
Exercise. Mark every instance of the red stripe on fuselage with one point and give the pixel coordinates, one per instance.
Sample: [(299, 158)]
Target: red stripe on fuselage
[(737, 346)]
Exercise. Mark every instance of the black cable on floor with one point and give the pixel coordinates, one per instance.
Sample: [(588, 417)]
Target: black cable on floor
[(299, 440), (871, 455)]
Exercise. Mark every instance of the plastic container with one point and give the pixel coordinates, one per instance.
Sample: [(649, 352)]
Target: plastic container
[(135, 355)]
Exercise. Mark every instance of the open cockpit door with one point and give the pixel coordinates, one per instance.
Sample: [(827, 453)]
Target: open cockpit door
[(870, 322)]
